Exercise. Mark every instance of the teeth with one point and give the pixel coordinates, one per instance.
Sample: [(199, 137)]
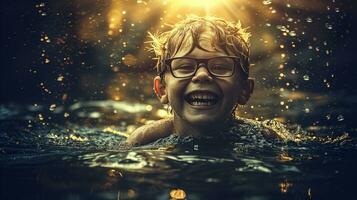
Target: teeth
[(202, 103), (202, 99)]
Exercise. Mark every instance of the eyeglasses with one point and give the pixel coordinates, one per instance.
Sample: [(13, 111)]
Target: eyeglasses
[(185, 67)]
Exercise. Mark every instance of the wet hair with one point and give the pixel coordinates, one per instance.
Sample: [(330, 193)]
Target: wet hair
[(186, 35)]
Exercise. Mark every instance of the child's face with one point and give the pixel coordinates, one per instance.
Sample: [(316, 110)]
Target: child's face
[(226, 91)]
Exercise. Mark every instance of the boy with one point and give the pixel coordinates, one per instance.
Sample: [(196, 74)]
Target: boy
[(203, 69)]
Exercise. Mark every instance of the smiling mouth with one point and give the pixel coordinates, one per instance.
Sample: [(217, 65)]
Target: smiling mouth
[(202, 98)]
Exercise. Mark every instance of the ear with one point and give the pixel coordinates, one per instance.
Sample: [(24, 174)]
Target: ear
[(160, 90), (247, 90)]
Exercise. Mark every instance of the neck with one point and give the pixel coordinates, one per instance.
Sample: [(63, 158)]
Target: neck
[(184, 128)]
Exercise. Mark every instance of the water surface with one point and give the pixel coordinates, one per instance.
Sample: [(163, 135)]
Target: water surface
[(82, 158)]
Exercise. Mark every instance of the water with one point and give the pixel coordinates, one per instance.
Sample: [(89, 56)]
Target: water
[(80, 156)]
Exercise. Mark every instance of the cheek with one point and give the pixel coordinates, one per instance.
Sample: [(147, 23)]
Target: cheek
[(237, 90), (175, 91), (231, 87), (232, 91), (174, 96)]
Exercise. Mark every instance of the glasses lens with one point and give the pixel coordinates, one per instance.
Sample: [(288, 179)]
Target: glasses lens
[(221, 66), (183, 67)]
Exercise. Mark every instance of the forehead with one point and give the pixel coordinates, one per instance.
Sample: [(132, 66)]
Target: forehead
[(202, 44), (200, 53), (205, 38)]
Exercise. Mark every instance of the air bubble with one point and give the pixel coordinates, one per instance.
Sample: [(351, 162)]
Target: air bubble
[(309, 20)]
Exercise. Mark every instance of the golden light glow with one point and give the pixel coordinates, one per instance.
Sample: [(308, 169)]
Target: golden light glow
[(120, 27), (162, 113), (129, 60), (78, 138), (177, 194), (117, 132), (196, 3), (114, 18), (284, 186), (284, 157)]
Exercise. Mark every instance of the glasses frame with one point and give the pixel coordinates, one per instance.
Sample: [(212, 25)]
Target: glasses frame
[(205, 61)]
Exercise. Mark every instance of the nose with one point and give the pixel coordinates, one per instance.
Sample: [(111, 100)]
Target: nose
[(202, 75)]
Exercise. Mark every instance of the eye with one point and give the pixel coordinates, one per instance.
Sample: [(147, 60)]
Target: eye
[(220, 67), (183, 64)]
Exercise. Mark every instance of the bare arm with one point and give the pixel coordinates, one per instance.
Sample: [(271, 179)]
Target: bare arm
[(150, 132)]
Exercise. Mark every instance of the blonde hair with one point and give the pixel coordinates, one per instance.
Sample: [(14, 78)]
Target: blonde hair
[(226, 36)]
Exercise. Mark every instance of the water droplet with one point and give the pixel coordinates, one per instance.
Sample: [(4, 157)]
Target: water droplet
[(40, 117), (340, 118), (282, 28), (337, 10), (328, 26), (195, 147), (292, 33), (60, 78), (309, 20), (267, 2), (306, 77), (52, 107)]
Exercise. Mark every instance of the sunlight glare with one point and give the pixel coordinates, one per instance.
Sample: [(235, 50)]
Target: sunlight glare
[(197, 3)]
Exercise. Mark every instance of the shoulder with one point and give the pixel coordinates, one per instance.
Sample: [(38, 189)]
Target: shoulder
[(151, 132)]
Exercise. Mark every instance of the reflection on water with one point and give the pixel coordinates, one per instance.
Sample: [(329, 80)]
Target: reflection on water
[(177, 194), (81, 157)]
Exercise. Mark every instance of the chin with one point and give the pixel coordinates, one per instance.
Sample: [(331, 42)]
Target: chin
[(203, 121)]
